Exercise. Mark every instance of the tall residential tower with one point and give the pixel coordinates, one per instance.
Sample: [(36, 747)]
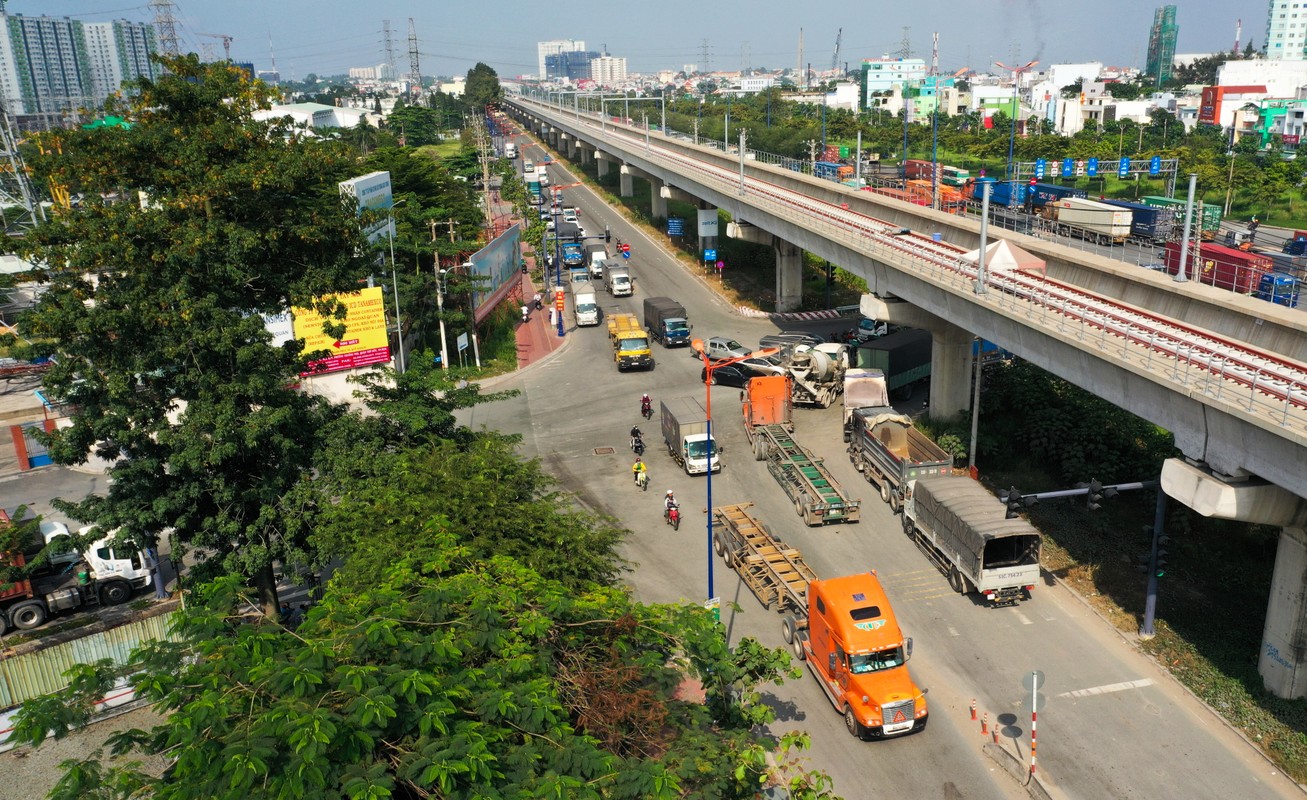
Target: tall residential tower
[(1161, 45)]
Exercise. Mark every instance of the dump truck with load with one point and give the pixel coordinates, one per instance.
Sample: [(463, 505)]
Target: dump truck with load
[(903, 357), (964, 530), (891, 453), (843, 628), (685, 432), (630, 343), (667, 322), (64, 579), (863, 388)]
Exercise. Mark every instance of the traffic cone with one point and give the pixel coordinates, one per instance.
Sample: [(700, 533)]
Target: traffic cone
[(984, 724), (973, 709)]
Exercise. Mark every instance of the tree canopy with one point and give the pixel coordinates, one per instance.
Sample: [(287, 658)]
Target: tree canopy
[(196, 220), (482, 87)]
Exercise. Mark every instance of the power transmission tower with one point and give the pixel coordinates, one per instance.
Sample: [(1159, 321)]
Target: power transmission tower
[(934, 53), (15, 186), (166, 26), (905, 46), (414, 70), (388, 45), (703, 56), (835, 59), (273, 58)]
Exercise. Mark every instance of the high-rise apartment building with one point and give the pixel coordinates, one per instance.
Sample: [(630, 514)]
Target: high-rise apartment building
[(608, 70), (56, 64), (1286, 30), (554, 47), (1161, 44), (573, 65)]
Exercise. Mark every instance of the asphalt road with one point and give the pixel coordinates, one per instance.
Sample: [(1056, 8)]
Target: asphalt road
[(1113, 726)]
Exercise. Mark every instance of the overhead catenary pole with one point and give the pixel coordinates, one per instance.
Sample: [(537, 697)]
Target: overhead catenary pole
[(1180, 276)]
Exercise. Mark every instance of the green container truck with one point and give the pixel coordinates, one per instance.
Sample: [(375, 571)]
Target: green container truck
[(904, 358), (1208, 222)]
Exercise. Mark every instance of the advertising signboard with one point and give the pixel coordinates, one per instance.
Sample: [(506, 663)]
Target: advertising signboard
[(707, 222), (371, 192), (365, 341)]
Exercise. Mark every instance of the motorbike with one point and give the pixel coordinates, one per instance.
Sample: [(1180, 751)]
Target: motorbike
[(672, 516), (646, 409), (642, 480), (637, 445)]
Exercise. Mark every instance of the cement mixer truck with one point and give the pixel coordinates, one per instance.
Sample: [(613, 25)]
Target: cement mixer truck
[(818, 374)]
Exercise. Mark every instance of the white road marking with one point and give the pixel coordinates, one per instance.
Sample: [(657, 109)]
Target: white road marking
[(1109, 688), (1024, 619), (952, 631)]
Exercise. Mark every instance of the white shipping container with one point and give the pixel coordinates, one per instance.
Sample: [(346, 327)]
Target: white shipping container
[(1090, 219)]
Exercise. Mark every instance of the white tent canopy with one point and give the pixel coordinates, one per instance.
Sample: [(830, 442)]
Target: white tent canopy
[(1003, 256)]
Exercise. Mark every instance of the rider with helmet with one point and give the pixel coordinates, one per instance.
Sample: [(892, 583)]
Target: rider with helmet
[(669, 502), (638, 469)]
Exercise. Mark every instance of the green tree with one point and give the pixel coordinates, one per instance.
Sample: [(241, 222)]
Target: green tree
[(414, 126), (162, 355), (482, 88), (425, 671)]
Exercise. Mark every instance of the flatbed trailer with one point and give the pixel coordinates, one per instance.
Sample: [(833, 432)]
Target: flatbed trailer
[(775, 572), (817, 496)]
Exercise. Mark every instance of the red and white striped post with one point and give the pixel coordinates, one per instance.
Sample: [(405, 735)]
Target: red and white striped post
[(1034, 717)]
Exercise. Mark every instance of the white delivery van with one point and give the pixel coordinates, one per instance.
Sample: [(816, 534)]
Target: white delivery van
[(598, 258), (584, 307), (542, 175), (510, 150)]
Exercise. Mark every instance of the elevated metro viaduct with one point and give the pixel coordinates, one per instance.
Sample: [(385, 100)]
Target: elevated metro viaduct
[(1241, 462)]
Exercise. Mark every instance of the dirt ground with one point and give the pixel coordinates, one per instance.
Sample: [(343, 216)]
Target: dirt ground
[(33, 772)]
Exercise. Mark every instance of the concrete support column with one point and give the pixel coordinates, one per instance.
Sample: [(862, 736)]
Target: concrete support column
[(657, 202), (625, 187), (1282, 657), (950, 369), (569, 143), (601, 163), (789, 275)]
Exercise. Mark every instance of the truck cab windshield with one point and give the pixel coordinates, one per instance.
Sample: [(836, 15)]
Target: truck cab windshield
[(677, 325), (635, 344), (875, 662), (699, 449)]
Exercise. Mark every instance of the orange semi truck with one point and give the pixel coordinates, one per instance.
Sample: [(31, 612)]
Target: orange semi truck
[(843, 628)]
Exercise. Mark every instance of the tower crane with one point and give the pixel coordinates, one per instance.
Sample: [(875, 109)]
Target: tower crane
[(835, 59), (226, 42)]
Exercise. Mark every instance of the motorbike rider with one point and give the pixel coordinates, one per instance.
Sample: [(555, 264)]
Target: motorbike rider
[(638, 468), (669, 502), (646, 404), (636, 436)]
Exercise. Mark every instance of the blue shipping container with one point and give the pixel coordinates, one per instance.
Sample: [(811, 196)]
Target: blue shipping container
[(1003, 193), (1278, 288), (1041, 194)]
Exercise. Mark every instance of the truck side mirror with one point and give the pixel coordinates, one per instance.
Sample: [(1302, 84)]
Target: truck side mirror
[(832, 662), (909, 647)]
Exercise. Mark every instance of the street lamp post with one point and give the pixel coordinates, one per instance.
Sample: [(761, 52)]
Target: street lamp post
[(708, 366), (394, 277), (558, 268), (440, 312)]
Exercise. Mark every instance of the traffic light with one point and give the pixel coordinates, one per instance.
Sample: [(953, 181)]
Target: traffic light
[(1095, 495), (1013, 500)]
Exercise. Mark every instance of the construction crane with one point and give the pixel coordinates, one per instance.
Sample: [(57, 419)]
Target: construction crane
[(226, 42), (835, 59)]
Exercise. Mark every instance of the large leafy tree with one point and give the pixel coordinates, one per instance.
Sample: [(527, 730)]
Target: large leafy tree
[(482, 87), (196, 220)]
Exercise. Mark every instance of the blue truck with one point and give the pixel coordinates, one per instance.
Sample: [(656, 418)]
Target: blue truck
[(573, 254), (1279, 288), (1001, 193)]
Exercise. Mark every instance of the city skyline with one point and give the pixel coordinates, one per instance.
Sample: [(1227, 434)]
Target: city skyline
[(327, 37)]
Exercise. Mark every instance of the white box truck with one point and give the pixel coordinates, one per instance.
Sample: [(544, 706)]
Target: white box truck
[(584, 307), (617, 280)]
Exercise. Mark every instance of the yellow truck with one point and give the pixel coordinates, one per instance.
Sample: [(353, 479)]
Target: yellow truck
[(630, 342)]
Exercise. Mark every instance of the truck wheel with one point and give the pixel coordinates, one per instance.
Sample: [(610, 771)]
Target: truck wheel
[(884, 492), (894, 504), (955, 580), (4, 624), (796, 646), (787, 629), (729, 558), (115, 593), (718, 545), (799, 503), (851, 722), (759, 449), (26, 616)]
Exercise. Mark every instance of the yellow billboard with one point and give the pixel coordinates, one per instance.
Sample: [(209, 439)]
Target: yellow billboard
[(365, 341)]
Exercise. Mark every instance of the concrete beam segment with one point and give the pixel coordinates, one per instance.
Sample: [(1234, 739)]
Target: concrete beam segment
[(1282, 657), (1246, 500), (789, 275), (749, 233), (625, 188), (657, 203), (672, 193)]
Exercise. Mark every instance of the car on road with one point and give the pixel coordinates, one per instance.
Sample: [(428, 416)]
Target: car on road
[(548, 159), (729, 375), (544, 215), (765, 365), (528, 168), (569, 215), (788, 340), (549, 224), (723, 347)]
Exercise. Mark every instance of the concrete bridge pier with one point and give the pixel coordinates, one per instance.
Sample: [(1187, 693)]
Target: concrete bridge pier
[(601, 162), (789, 262), (951, 347), (657, 198), (625, 187), (1282, 655), (569, 146)]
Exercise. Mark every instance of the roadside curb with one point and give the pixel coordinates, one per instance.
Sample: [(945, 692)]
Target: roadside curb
[(1015, 767)]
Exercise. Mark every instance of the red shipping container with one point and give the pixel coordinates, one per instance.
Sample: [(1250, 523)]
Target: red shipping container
[(1217, 265)]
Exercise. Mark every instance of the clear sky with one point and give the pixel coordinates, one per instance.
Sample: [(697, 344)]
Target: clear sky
[(329, 36)]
